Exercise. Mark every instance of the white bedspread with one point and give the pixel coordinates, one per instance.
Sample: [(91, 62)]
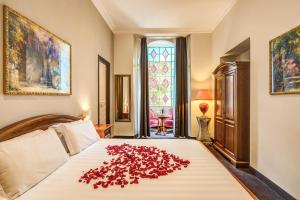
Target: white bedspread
[(205, 178)]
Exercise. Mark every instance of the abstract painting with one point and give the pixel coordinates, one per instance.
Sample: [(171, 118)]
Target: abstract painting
[(285, 63), (36, 62)]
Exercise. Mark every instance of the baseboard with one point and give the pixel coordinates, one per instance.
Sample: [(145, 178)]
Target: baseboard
[(123, 137), (272, 185), (190, 137), (133, 137)]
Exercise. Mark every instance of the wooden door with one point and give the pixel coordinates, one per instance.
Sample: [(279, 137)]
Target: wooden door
[(102, 93), (229, 113), (219, 107)]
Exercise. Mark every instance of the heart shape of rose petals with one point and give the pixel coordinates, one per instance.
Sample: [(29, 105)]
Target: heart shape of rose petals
[(132, 163)]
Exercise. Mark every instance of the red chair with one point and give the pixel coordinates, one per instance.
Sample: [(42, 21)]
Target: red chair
[(169, 122), (153, 121)]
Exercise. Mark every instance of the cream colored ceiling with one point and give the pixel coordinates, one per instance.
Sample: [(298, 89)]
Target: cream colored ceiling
[(163, 16)]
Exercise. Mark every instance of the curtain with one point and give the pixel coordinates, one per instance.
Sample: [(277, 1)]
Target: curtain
[(144, 118), (188, 45), (137, 85), (181, 110)]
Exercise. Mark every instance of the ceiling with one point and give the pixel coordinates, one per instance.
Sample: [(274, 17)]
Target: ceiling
[(163, 16)]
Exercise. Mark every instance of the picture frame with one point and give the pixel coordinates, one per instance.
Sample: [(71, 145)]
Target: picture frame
[(285, 63), (36, 61)]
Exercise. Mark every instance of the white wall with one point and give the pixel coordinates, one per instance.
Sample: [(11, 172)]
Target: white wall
[(275, 129), (123, 64), (201, 78), (79, 23)]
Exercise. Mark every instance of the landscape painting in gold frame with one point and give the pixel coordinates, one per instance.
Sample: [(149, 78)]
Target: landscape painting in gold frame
[(36, 62), (285, 63)]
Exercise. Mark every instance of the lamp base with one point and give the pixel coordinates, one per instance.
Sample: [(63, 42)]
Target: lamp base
[(203, 133)]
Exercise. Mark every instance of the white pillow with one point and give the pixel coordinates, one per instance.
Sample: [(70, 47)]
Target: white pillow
[(26, 161), (60, 129), (30, 134), (79, 136), (2, 194)]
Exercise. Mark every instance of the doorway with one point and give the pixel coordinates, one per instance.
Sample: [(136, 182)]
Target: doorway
[(103, 91), (161, 76)]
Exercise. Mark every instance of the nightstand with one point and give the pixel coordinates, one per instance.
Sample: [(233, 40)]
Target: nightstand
[(104, 130)]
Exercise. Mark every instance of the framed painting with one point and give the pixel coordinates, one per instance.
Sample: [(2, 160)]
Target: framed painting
[(36, 62), (285, 63)]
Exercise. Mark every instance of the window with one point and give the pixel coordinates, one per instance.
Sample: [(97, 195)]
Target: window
[(161, 66)]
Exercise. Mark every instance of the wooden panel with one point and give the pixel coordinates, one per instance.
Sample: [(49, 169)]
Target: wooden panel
[(219, 96), (229, 96), (219, 136), (103, 130), (229, 138), (42, 122)]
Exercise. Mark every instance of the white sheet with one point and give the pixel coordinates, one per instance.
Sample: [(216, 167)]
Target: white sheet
[(205, 178)]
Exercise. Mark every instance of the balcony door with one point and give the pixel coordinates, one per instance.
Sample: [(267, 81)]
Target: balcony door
[(161, 76)]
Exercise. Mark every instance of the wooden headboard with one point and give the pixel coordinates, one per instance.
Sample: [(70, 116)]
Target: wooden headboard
[(42, 122)]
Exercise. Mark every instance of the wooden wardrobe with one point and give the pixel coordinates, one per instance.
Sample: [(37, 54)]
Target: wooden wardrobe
[(232, 111)]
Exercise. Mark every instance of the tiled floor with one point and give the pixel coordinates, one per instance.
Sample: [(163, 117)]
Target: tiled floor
[(261, 190)]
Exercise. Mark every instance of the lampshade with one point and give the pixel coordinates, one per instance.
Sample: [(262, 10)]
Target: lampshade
[(203, 94), (86, 114)]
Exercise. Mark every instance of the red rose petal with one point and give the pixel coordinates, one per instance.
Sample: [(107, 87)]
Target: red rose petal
[(132, 163)]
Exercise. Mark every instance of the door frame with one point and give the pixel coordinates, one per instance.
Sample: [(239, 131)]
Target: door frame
[(107, 64)]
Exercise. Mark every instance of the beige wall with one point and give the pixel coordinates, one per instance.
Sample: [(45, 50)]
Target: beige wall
[(275, 130), (79, 23), (123, 64), (201, 78)]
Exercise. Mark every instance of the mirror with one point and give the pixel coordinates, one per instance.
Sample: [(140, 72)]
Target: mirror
[(123, 98)]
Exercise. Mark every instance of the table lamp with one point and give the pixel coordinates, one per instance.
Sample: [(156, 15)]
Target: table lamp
[(86, 114), (203, 94)]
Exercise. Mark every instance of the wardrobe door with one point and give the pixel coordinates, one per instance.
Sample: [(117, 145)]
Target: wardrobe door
[(219, 133), (219, 126), (219, 96), (229, 108)]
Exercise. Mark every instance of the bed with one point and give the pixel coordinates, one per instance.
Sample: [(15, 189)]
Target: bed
[(204, 178)]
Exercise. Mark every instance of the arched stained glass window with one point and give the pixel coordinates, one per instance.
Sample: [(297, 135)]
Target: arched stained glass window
[(161, 66)]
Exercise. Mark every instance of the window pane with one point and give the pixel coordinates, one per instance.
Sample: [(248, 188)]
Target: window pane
[(161, 74)]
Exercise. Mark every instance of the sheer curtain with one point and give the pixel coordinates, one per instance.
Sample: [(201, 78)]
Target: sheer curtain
[(137, 85), (188, 46)]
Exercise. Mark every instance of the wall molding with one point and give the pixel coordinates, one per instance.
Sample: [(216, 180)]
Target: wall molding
[(104, 13), (149, 32)]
